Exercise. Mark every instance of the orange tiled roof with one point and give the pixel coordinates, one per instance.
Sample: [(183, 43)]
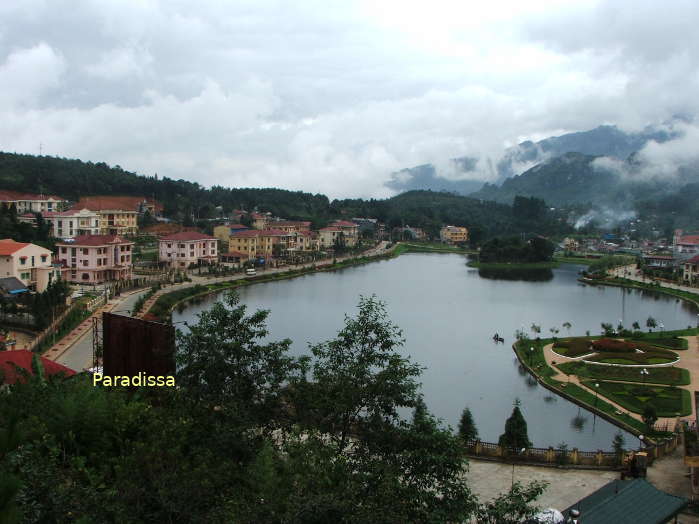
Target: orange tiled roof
[(8, 195), (9, 246), (107, 202)]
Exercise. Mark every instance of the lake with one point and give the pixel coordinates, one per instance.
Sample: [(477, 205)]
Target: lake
[(448, 313)]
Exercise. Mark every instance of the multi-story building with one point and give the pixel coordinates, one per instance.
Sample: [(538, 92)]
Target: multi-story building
[(188, 247), (261, 243), (29, 263), (690, 273), (330, 237), (224, 231), (453, 234), (260, 220), (291, 226), (349, 230), (31, 202), (118, 214), (407, 232), (93, 259), (68, 224)]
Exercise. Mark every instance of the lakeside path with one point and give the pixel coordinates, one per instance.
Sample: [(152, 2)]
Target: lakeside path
[(631, 273), (689, 359), (75, 349)]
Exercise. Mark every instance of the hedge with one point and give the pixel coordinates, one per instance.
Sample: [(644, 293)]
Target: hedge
[(667, 401), (667, 375)]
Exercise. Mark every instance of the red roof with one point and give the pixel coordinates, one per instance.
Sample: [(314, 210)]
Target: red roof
[(6, 195), (9, 246), (188, 235), (689, 239), (123, 203), (95, 240), (304, 223), (22, 358), (343, 223), (693, 260), (238, 226)]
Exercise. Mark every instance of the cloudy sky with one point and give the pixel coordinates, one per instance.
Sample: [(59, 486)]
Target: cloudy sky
[(326, 96)]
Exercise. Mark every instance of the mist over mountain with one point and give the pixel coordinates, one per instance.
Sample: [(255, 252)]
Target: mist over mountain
[(467, 174)]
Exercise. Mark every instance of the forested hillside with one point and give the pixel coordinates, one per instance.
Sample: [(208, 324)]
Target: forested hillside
[(182, 199)]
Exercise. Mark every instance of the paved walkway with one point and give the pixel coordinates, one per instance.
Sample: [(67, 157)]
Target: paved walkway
[(630, 272)]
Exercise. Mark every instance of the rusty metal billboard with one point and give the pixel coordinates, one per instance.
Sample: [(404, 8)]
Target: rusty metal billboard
[(132, 345)]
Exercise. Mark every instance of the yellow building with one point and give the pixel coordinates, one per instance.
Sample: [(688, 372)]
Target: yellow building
[(453, 234), (225, 231), (258, 243), (28, 263)]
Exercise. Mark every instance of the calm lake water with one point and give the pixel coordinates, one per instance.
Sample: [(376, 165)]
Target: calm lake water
[(449, 313)]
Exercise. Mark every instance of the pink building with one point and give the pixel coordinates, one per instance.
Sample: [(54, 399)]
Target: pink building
[(188, 247), (93, 259)]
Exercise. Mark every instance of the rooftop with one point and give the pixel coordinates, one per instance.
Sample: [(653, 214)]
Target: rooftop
[(8, 195), (9, 246), (10, 361), (121, 203), (188, 235)]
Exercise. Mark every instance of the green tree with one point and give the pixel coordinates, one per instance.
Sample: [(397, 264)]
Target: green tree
[(515, 435), (636, 325), (360, 375), (513, 507), (467, 426), (651, 324), (618, 446), (223, 362), (567, 326), (650, 416)]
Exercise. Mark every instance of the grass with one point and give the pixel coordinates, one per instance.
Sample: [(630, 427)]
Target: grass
[(574, 260), (428, 247), (667, 401), (675, 343), (630, 359), (668, 375)]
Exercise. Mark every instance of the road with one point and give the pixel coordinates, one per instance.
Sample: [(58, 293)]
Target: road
[(77, 355)]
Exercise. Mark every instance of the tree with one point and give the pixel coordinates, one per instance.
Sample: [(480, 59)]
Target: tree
[(361, 376), (651, 324), (567, 326), (222, 362), (607, 329), (420, 412), (636, 326), (650, 416), (467, 427), (512, 507), (618, 446), (515, 435)]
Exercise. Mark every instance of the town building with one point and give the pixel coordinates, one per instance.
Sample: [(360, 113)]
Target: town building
[(11, 362), (233, 259), (291, 226), (260, 243), (411, 233), (94, 259), (349, 234), (68, 224), (31, 202), (690, 270), (119, 214), (28, 263), (188, 247), (659, 261), (260, 220), (453, 234), (224, 231)]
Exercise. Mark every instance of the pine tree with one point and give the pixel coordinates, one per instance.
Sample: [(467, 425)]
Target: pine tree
[(515, 436), (467, 427), (618, 446)]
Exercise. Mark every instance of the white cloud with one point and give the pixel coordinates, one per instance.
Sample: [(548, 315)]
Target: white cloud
[(333, 98)]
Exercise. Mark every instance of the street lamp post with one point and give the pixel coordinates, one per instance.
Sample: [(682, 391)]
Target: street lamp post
[(531, 355), (596, 392), (644, 373)]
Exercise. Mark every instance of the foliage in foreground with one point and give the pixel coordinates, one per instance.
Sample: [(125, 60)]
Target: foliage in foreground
[(251, 434)]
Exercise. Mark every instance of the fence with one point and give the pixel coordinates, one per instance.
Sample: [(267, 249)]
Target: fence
[(568, 457)]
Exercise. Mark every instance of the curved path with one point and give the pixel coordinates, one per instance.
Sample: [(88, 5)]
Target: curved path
[(689, 359)]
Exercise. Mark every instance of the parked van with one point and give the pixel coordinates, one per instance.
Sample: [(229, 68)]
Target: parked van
[(251, 271)]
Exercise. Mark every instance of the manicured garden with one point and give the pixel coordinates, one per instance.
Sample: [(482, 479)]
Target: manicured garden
[(573, 347), (666, 375), (667, 401)]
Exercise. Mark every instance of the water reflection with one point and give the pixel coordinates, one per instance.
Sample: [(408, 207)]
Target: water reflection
[(527, 275), (577, 423)]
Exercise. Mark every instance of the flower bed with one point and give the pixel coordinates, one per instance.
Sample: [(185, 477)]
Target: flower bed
[(573, 347), (610, 345)]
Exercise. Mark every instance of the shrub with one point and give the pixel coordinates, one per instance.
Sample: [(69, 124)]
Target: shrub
[(573, 347)]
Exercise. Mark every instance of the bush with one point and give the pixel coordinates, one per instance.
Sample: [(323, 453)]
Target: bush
[(610, 345), (573, 347)]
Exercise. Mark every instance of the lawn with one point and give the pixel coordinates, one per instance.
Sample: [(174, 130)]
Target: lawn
[(573, 347), (667, 401), (633, 358), (668, 375), (675, 343)]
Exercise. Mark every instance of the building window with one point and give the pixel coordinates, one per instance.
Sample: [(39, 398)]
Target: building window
[(86, 276), (85, 251), (25, 276), (85, 263), (169, 245), (64, 250), (23, 261), (43, 258)]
